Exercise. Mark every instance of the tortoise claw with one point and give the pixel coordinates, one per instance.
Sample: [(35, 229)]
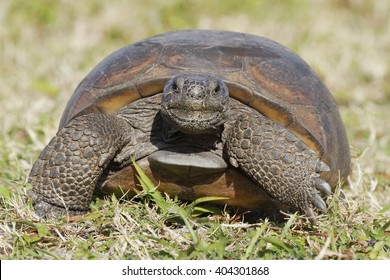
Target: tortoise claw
[(310, 215), (319, 203), (321, 167), (323, 186)]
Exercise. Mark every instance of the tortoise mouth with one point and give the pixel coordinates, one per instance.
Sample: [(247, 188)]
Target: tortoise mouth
[(195, 115), (194, 121)]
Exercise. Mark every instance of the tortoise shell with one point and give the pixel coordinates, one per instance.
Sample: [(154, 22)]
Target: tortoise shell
[(258, 72)]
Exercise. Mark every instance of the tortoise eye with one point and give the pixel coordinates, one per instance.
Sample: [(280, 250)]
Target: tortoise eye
[(175, 87), (217, 89)]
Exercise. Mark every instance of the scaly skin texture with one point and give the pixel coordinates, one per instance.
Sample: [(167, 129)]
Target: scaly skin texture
[(278, 161), (66, 172)]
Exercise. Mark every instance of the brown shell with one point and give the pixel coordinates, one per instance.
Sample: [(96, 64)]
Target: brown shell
[(259, 72)]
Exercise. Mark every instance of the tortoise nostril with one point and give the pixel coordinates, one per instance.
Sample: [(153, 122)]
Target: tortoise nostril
[(192, 91), (196, 93)]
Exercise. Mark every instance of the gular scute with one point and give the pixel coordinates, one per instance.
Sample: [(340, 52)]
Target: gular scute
[(187, 164)]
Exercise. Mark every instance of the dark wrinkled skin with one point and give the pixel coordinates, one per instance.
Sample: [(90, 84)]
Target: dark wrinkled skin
[(194, 111)]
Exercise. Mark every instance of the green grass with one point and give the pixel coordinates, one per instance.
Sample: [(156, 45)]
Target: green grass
[(47, 47)]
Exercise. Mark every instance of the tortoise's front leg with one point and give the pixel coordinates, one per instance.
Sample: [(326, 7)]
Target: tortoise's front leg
[(280, 162), (65, 175)]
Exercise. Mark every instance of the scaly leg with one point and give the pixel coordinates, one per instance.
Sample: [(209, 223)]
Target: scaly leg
[(280, 162), (65, 175)]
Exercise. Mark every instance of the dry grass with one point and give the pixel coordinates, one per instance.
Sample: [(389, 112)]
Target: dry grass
[(47, 47)]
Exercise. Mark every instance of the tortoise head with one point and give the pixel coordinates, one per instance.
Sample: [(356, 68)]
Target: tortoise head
[(195, 103)]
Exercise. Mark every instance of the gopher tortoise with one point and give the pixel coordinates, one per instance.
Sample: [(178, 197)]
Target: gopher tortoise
[(204, 113)]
